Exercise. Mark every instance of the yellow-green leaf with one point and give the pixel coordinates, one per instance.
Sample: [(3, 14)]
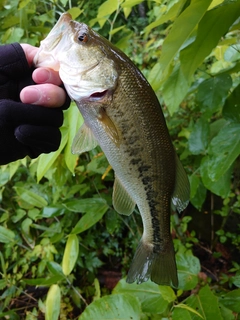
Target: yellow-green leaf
[(46, 160), (53, 303), (70, 254), (186, 22)]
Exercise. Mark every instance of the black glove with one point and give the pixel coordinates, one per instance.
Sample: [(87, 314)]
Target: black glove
[(25, 129)]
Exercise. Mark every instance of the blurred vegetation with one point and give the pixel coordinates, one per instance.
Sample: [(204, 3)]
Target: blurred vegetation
[(63, 247)]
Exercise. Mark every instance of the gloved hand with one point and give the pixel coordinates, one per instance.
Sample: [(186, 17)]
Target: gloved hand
[(25, 129)]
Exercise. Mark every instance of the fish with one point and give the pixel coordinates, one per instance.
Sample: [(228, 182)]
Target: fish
[(123, 116)]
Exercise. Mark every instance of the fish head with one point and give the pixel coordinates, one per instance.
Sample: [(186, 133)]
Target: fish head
[(82, 58)]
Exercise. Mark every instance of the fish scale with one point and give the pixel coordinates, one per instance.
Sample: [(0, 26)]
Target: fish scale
[(122, 114)]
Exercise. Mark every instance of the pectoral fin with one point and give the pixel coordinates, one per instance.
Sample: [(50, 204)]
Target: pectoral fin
[(109, 126), (181, 192), (84, 140), (122, 202)]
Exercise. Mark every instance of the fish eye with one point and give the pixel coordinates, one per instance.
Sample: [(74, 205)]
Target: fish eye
[(83, 37)]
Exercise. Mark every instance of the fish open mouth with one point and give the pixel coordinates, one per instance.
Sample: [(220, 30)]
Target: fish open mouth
[(96, 96)]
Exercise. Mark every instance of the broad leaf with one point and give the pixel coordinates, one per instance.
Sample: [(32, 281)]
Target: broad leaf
[(212, 27), (213, 92), (171, 14), (231, 300), (220, 187), (153, 298), (44, 281), (174, 90), (94, 208), (31, 197), (198, 191), (106, 9), (113, 307), (198, 139), (186, 22), (46, 160), (223, 150), (74, 120), (231, 108), (206, 303), (6, 235), (188, 268), (70, 254), (181, 314), (53, 303)]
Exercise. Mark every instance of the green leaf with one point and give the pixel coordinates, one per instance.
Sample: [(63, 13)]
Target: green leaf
[(16, 35), (188, 269), (198, 191), (26, 232), (46, 160), (154, 77), (186, 22), (231, 300), (85, 205), (74, 120), (70, 254), (206, 303), (23, 3), (171, 14), (231, 108), (94, 208), (213, 92), (105, 10), (198, 139), (174, 90), (55, 268), (50, 212), (153, 298), (113, 307), (31, 197), (6, 235), (220, 187), (53, 303), (182, 306), (44, 281), (223, 150), (181, 314), (227, 314), (75, 12), (212, 27), (130, 3)]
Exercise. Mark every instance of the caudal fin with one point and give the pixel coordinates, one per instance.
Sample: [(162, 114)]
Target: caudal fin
[(159, 267)]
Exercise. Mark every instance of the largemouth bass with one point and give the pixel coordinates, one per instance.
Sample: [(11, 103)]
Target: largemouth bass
[(122, 114)]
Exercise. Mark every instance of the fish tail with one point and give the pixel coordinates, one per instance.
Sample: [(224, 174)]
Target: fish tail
[(159, 267)]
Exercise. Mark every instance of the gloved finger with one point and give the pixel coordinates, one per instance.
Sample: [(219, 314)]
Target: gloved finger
[(47, 95), (46, 75), (17, 113), (39, 139)]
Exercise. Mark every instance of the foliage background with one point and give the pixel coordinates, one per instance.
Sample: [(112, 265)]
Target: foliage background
[(63, 247)]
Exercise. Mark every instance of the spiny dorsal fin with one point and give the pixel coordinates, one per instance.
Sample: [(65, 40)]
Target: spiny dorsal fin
[(181, 194), (84, 140), (122, 202)]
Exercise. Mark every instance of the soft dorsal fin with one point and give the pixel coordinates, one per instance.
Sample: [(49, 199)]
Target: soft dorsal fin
[(84, 140), (122, 202), (181, 194)]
